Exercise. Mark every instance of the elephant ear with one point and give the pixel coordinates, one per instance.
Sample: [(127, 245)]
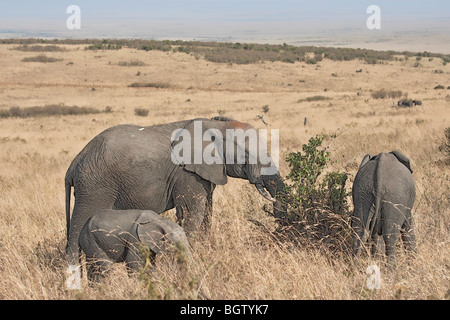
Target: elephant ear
[(201, 150), (366, 159), (149, 231), (402, 158)]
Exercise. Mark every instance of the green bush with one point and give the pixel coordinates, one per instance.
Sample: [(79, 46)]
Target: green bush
[(305, 169), (317, 209)]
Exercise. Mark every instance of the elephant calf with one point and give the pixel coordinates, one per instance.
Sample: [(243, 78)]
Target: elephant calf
[(117, 236), (383, 196)]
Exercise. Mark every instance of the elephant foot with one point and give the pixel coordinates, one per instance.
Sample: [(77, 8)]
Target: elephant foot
[(98, 269)]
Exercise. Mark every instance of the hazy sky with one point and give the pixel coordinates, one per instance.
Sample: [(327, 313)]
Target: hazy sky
[(228, 10), (203, 19)]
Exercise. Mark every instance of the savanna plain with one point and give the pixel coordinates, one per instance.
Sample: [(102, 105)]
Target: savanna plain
[(241, 257)]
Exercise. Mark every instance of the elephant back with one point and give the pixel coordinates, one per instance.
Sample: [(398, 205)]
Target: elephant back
[(399, 181)]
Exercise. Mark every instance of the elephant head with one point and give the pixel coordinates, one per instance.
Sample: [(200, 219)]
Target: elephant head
[(222, 147), (158, 233)]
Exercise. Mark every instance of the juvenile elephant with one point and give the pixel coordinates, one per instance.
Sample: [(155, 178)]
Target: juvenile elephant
[(383, 196), (118, 236)]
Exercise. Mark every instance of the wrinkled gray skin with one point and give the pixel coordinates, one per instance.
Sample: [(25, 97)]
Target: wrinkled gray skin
[(130, 167), (116, 236), (383, 195)]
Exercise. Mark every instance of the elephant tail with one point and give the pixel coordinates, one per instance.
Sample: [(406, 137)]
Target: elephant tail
[(68, 187), (378, 192)]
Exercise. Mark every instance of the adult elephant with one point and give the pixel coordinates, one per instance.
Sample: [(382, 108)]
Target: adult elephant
[(383, 196), (134, 167)]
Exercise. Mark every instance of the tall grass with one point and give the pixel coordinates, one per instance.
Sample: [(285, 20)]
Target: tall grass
[(238, 259)]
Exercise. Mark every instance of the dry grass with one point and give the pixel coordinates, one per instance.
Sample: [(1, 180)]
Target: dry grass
[(132, 63), (38, 48), (47, 111), (159, 85), (239, 259), (41, 58)]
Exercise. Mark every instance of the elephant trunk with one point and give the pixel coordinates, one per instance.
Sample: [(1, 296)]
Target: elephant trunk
[(264, 193), (275, 185)]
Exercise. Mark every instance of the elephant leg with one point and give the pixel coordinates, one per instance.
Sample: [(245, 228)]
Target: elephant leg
[(377, 243), (206, 224), (397, 220), (97, 261), (193, 201), (377, 248), (408, 236), (133, 262), (193, 217), (390, 235), (137, 259), (84, 209), (359, 237), (362, 219), (357, 242), (98, 266), (73, 248)]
